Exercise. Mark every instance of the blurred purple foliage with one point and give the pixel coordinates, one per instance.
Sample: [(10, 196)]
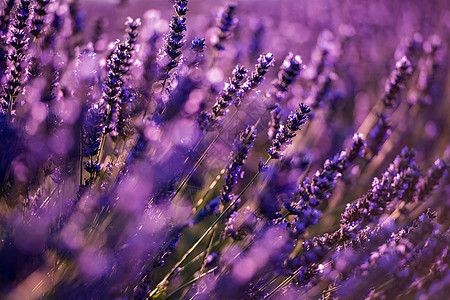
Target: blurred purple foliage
[(224, 150)]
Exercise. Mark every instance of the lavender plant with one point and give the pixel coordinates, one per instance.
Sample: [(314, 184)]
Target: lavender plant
[(131, 167)]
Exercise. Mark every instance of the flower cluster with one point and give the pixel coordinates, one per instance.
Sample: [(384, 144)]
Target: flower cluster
[(288, 131), (174, 40), (225, 23)]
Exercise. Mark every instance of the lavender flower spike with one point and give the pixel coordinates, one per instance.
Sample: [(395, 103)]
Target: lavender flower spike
[(289, 71), (198, 45), (427, 184), (208, 121), (265, 61), (18, 43), (174, 40), (38, 18), (396, 80), (241, 149), (226, 23), (287, 132)]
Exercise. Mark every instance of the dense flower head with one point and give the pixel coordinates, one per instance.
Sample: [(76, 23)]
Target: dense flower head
[(396, 81), (93, 127), (264, 62), (227, 96), (175, 38), (288, 131), (37, 22), (198, 45), (289, 71), (242, 147)]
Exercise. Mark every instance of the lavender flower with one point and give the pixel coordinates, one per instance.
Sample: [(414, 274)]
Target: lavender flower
[(225, 23), (174, 40), (275, 121), (224, 100), (321, 90), (397, 251), (289, 71), (288, 131), (93, 127), (234, 170), (18, 44), (38, 18), (5, 17), (378, 135), (198, 45), (265, 61), (131, 40), (98, 201), (240, 224), (429, 182), (396, 81), (428, 67), (318, 188), (398, 181)]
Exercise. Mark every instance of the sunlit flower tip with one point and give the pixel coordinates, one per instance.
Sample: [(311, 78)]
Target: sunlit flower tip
[(289, 71), (265, 60), (239, 73), (181, 7), (396, 81), (133, 23)]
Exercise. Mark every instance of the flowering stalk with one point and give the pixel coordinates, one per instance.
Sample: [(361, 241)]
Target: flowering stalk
[(37, 21), (18, 43), (396, 81), (398, 250), (289, 71), (288, 131), (5, 17), (265, 61), (198, 46), (225, 23), (431, 181), (428, 67), (174, 40), (226, 97), (398, 182), (240, 153), (131, 39), (378, 135)]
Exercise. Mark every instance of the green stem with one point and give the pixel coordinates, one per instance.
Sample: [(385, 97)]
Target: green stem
[(190, 282), (205, 234)]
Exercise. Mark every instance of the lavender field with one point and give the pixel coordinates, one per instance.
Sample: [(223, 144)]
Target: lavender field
[(176, 149)]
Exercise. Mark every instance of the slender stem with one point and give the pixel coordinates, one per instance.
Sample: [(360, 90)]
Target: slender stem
[(190, 282), (81, 160), (205, 234), (208, 250), (200, 160), (266, 285), (282, 284), (102, 142)]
